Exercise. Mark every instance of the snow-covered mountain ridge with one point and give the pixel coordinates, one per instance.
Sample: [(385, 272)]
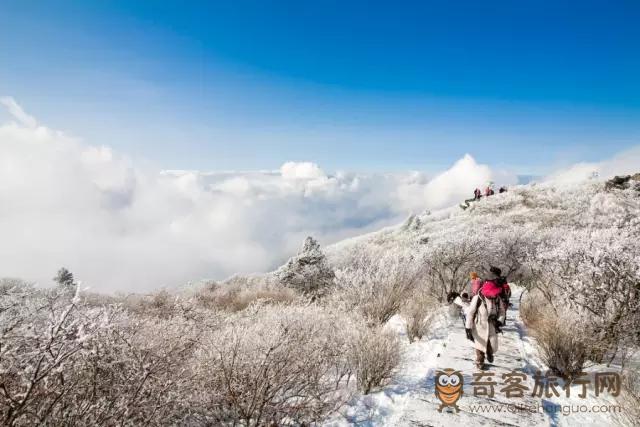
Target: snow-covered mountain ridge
[(353, 334)]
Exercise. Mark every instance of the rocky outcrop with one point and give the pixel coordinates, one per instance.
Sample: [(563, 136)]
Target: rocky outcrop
[(624, 182)]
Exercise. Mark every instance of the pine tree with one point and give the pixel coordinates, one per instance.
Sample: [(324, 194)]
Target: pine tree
[(308, 271), (64, 278)]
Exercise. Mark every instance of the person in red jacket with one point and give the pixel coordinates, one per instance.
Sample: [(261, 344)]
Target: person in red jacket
[(499, 283)]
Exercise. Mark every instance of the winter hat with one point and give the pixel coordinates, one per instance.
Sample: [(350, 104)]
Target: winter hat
[(473, 275), (496, 271), (452, 296)]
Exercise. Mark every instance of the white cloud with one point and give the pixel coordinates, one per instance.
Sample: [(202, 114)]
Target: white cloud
[(17, 112), (121, 227), (301, 170), (455, 184), (624, 163)]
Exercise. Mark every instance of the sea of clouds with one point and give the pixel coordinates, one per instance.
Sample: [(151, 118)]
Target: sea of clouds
[(125, 227)]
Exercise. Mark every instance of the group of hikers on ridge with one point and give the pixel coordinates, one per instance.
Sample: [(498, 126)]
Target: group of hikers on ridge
[(484, 312), (479, 194)]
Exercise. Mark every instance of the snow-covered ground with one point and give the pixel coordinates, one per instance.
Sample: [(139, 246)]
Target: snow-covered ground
[(410, 399)]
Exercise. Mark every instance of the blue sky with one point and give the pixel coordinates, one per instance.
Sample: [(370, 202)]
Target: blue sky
[(382, 86)]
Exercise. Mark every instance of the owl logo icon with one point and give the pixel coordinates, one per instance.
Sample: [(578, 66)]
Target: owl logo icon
[(449, 388)]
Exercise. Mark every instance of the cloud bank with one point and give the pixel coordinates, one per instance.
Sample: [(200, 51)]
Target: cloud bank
[(122, 227), (624, 163)]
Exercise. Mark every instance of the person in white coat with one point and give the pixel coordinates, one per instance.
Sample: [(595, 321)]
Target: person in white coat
[(485, 316)]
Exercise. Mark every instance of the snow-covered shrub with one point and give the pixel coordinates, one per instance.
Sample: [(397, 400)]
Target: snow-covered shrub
[(534, 309), (375, 356), (617, 209), (240, 293), (309, 271), (94, 299), (377, 285), (418, 313), (62, 363), (594, 274), (274, 365), (39, 334), (564, 350), (135, 371), (161, 304), (630, 396)]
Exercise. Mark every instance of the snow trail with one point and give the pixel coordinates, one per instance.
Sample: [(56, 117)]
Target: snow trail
[(421, 410), (410, 400)]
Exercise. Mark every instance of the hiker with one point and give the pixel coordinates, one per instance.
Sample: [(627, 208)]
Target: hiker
[(502, 190), (489, 191), (461, 301), (485, 316), (476, 196), (476, 283), (501, 281), (505, 296)]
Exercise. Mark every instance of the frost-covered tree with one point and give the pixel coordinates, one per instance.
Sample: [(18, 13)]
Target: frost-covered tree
[(63, 362), (309, 271), (275, 366), (449, 260), (64, 278), (378, 283), (596, 275)]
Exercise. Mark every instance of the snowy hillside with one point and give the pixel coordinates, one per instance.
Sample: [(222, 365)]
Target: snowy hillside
[(525, 231), (355, 333), (528, 211)]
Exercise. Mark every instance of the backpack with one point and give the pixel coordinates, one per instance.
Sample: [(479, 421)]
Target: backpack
[(500, 282), (482, 299)]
